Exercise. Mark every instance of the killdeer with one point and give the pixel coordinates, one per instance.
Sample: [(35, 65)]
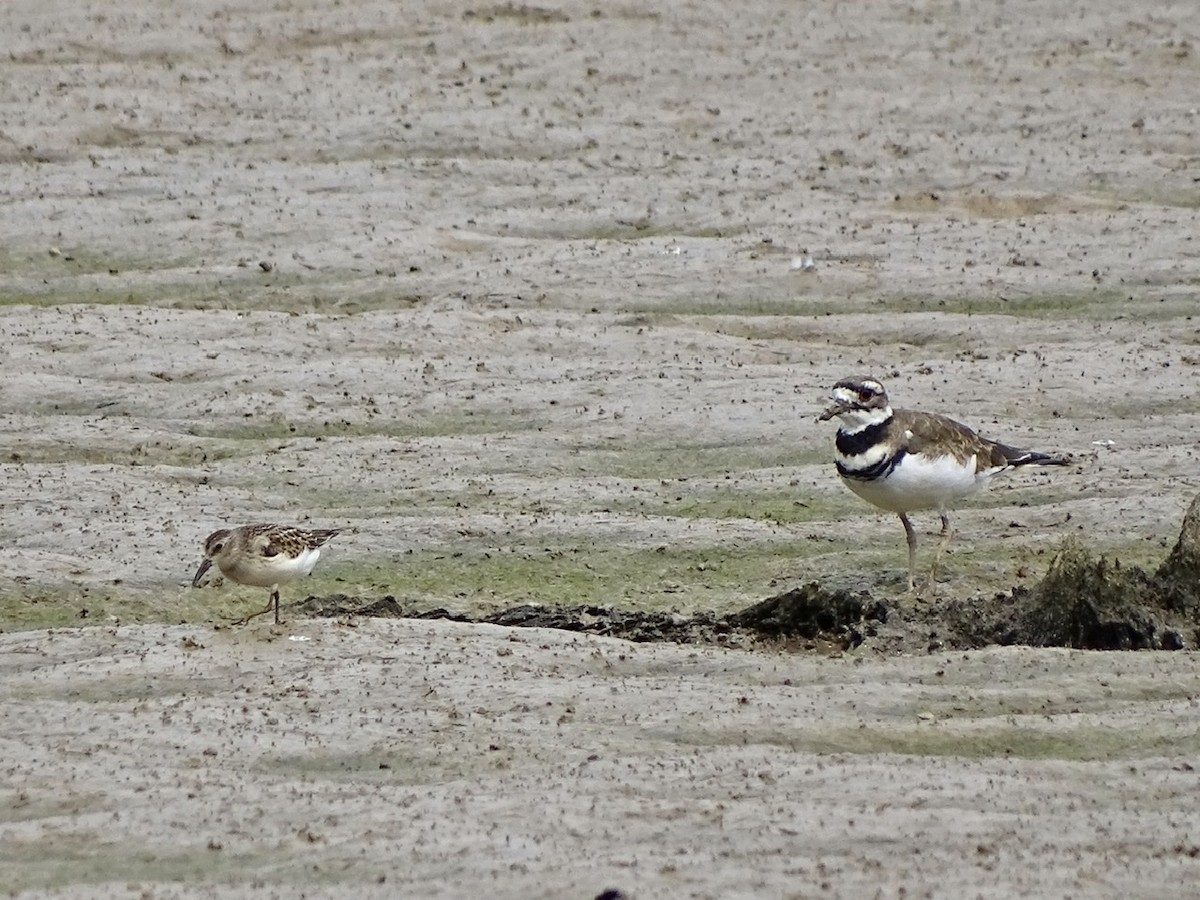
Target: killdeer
[(901, 460), (263, 556)]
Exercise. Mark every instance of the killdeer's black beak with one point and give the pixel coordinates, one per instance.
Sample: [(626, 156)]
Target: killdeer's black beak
[(836, 410), (200, 571)]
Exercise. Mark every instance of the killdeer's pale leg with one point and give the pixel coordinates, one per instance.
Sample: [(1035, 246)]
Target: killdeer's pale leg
[(263, 555), (945, 534), (901, 460), (911, 537)]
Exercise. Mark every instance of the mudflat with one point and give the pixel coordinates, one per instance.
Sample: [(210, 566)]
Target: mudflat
[(539, 304)]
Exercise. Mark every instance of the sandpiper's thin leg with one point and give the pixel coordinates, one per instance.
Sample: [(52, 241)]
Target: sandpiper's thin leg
[(275, 598), (261, 612), (911, 537)]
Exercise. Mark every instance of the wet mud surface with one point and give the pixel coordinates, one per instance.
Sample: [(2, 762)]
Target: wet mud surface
[(540, 302)]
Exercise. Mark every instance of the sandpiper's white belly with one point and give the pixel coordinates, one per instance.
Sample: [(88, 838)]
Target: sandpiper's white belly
[(919, 482), (268, 571)]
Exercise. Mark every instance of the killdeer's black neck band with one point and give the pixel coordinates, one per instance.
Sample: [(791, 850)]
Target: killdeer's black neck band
[(861, 441), (870, 473)]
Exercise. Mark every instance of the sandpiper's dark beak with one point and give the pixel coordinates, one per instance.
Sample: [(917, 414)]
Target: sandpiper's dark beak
[(836, 410), (200, 571)]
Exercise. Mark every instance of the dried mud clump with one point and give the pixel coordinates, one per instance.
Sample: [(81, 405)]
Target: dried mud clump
[(1178, 578), (1095, 604), (1090, 604)]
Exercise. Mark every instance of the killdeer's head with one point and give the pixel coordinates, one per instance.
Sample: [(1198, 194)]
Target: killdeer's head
[(859, 401)]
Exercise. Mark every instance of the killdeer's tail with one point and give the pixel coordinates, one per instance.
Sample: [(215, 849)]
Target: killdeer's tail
[(1014, 456)]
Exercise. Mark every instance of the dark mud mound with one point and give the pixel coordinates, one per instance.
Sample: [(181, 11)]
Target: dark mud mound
[(828, 618), (622, 623), (814, 613), (1178, 578), (1084, 602), (1095, 604), (631, 625), (1092, 603)]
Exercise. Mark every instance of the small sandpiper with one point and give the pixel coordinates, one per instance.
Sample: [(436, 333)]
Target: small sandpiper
[(263, 555)]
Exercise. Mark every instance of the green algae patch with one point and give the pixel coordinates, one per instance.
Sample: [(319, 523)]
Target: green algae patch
[(1084, 743)]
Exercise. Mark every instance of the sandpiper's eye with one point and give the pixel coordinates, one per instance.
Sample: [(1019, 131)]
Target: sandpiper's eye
[(217, 548)]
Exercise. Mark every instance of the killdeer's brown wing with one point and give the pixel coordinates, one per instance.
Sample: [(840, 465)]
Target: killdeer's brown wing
[(934, 436)]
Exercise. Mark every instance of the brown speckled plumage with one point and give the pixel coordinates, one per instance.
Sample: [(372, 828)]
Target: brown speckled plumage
[(263, 555)]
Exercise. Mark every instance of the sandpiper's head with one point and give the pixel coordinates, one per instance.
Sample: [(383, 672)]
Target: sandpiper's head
[(213, 546), (859, 401)]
